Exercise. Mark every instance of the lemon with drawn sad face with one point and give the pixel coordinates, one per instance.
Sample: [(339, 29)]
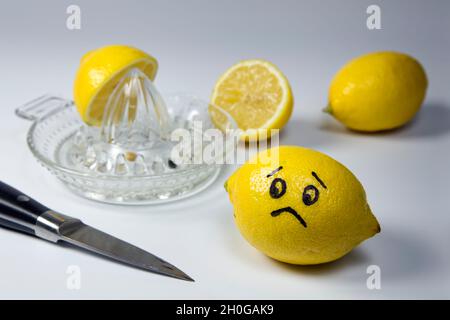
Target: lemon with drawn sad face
[(300, 206)]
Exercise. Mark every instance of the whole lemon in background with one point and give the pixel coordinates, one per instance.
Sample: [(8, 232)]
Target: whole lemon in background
[(377, 91), (258, 97), (99, 72), (304, 208)]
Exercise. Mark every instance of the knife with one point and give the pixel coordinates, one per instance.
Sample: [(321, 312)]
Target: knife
[(22, 213)]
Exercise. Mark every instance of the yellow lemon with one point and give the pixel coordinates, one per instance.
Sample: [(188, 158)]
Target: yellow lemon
[(99, 72), (303, 208), (257, 95), (377, 91)]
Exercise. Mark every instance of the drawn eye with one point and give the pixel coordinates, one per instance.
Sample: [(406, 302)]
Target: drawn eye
[(310, 195), (277, 188)]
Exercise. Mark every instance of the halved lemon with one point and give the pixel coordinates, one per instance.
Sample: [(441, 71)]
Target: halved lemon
[(99, 72), (257, 95)]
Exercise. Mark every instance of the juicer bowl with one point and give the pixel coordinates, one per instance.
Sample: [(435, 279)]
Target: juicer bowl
[(54, 135)]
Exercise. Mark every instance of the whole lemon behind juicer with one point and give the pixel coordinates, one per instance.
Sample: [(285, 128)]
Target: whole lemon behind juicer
[(377, 91), (304, 208)]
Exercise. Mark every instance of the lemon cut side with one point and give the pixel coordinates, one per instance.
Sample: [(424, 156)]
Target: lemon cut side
[(257, 96)]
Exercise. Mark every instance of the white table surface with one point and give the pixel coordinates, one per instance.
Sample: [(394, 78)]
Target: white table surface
[(405, 173)]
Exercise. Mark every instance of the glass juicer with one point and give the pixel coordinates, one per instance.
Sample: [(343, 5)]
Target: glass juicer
[(128, 158)]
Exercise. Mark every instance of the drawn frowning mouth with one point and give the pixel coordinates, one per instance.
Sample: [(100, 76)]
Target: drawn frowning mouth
[(277, 212)]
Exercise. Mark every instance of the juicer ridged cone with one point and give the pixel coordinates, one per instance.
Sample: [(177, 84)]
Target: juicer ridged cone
[(135, 113), (133, 138)]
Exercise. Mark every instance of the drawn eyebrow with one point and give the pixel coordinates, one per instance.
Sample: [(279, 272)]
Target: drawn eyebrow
[(274, 171), (318, 179)]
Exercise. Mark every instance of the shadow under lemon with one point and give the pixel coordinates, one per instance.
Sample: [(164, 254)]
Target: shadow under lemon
[(432, 120), (400, 256)]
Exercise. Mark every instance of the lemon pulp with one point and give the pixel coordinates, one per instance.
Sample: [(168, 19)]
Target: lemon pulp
[(256, 94)]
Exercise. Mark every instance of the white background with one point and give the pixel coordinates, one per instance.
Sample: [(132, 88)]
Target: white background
[(405, 172)]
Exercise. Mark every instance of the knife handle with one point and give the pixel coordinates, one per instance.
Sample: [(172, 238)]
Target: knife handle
[(18, 211)]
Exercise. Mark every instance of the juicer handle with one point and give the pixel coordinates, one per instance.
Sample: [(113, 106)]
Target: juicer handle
[(42, 106), (18, 211)]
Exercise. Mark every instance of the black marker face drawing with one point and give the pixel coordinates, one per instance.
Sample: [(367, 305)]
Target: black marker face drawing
[(310, 195)]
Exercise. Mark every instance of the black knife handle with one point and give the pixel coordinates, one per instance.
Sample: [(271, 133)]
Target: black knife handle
[(17, 210)]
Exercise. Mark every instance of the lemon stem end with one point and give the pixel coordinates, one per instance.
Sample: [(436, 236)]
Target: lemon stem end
[(328, 109)]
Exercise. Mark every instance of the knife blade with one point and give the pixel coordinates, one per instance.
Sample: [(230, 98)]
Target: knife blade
[(24, 214)]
